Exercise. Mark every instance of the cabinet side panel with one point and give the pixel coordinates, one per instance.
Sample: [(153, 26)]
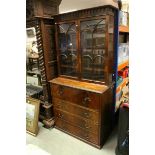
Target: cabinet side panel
[(106, 114)]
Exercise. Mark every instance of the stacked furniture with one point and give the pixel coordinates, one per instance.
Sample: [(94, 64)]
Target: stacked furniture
[(38, 17), (83, 94)]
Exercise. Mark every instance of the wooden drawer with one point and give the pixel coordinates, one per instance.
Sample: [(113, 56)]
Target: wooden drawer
[(77, 121), (76, 96), (86, 135), (77, 110)]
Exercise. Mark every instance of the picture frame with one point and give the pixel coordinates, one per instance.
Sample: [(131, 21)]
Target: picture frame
[(32, 115), (31, 32)]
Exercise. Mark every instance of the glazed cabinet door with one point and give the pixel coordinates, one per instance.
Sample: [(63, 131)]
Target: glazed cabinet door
[(86, 49), (93, 49), (67, 48)]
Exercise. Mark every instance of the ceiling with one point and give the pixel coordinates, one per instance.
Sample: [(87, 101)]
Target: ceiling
[(73, 5)]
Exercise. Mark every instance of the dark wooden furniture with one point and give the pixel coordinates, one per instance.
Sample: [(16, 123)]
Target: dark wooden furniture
[(42, 8), (83, 109), (83, 94), (39, 16)]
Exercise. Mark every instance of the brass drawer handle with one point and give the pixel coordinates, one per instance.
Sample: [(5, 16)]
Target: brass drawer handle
[(60, 115), (86, 100), (87, 114), (87, 127), (85, 135), (60, 105)]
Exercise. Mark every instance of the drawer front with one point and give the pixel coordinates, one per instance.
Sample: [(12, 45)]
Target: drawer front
[(76, 110), (76, 96), (77, 121), (86, 135)]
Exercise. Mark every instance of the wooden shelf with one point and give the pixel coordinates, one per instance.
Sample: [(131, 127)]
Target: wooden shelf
[(123, 83), (123, 65), (123, 29)]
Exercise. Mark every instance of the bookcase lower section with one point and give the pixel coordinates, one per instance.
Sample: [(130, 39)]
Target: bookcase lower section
[(82, 112), (77, 136)]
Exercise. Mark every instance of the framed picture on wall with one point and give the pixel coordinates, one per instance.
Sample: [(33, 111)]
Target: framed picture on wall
[(32, 115)]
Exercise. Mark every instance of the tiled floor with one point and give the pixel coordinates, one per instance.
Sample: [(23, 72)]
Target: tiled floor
[(56, 142)]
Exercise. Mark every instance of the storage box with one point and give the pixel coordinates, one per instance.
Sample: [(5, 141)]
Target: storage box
[(125, 6), (123, 52), (123, 18)]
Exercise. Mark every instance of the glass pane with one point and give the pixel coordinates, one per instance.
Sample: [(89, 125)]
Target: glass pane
[(67, 48), (93, 49)]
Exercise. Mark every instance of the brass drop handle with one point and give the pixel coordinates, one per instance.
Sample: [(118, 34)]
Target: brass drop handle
[(87, 126), (85, 135), (86, 100), (60, 92), (61, 115), (63, 106), (87, 114)]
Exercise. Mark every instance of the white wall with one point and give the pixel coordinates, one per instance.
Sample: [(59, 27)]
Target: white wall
[(73, 5)]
